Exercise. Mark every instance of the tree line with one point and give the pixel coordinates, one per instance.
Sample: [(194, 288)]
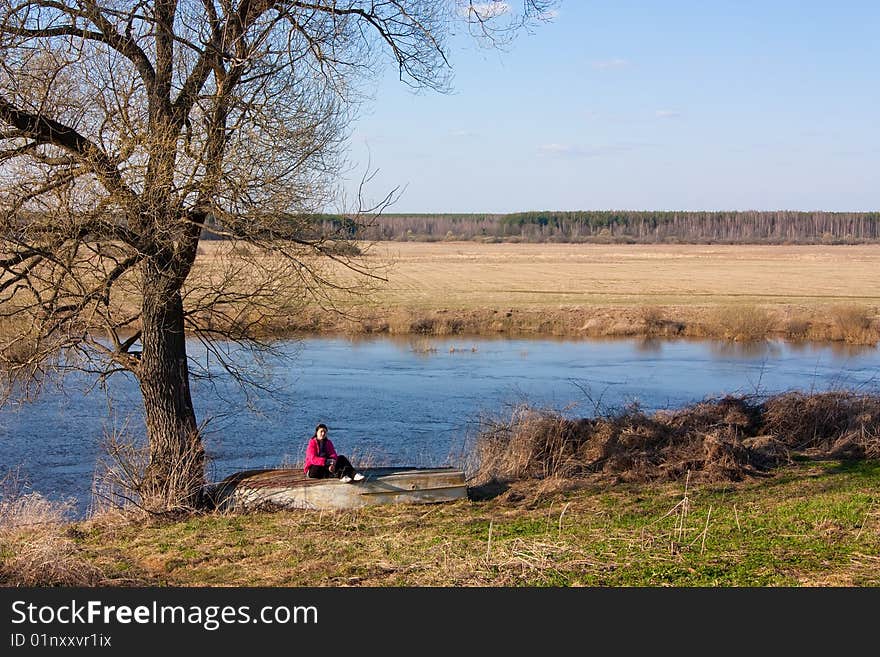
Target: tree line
[(774, 227)]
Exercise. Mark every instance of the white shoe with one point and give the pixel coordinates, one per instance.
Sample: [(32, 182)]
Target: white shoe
[(345, 480), (358, 476)]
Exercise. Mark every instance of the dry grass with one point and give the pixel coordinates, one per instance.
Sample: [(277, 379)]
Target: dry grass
[(841, 424), (810, 525), (724, 439), (853, 324), (807, 523), (742, 323), (34, 550)]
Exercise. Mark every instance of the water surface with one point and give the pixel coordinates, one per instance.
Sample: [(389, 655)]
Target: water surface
[(406, 402)]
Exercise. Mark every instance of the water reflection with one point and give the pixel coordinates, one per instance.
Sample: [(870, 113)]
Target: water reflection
[(838, 349), (433, 345), (649, 345), (746, 350)]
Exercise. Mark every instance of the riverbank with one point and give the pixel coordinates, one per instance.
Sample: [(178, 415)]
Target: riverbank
[(843, 323), (812, 524), (736, 491)]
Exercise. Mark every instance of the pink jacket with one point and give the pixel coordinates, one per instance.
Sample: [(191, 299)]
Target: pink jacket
[(312, 457)]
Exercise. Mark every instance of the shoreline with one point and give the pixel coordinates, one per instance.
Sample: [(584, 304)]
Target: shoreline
[(841, 323), (728, 492)]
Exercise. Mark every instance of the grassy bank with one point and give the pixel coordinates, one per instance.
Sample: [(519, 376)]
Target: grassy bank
[(842, 323), (812, 524), (783, 491)]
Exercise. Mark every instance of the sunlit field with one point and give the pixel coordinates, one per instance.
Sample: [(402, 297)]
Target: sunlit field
[(802, 292), (472, 275)]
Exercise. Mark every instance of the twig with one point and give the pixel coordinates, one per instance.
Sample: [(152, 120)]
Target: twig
[(564, 509), (705, 530), (685, 504), (685, 507), (665, 515), (489, 542), (864, 520)]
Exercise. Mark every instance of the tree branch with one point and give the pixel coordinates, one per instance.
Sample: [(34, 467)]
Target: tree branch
[(50, 131)]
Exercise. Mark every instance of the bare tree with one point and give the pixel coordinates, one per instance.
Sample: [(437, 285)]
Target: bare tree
[(131, 130)]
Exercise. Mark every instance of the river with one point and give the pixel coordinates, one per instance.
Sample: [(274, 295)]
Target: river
[(404, 402)]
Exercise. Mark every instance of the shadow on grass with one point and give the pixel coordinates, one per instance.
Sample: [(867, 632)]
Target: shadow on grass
[(856, 466), (487, 491)]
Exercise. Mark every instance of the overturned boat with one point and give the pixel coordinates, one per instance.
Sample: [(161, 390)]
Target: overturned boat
[(291, 489)]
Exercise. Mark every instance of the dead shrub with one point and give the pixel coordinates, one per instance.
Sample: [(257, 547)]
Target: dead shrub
[(34, 547), (725, 457), (374, 326), (452, 326), (532, 444), (652, 319), (709, 415), (817, 421), (767, 452), (422, 326), (798, 328), (742, 323), (655, 324), (122, 479), (856, 445), (852, 324), (722, 439)]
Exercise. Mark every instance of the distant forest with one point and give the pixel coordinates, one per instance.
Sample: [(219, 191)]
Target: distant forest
[(752, 227)]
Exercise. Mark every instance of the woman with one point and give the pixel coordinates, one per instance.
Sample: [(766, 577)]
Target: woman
[(322, 461)]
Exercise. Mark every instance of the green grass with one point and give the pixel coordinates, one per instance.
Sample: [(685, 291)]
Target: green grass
[(813, 524)]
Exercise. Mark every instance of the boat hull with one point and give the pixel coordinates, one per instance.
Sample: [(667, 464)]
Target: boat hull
[(291, 489)]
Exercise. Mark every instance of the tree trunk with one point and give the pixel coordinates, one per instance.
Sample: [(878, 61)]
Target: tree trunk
[(175, 474)]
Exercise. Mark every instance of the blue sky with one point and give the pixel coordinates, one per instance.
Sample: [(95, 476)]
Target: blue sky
[(674, 105)]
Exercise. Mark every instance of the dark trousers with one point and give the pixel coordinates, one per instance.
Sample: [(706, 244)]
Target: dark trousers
[(344, 468)]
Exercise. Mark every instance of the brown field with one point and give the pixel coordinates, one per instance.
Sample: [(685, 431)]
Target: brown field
[(467, 275), (745, 292), (738, 292)]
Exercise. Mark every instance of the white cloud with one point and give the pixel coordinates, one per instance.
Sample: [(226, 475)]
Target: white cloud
[(570, 150), (610, 64), (484, 10), (549, 15), (558, 149), (667, 114), (463, 134), (574, 150)]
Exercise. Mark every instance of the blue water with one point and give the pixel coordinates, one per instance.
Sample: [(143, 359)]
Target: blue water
[(394, 402)]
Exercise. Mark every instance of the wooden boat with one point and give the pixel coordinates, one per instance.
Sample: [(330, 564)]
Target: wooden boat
[(291, 489)]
